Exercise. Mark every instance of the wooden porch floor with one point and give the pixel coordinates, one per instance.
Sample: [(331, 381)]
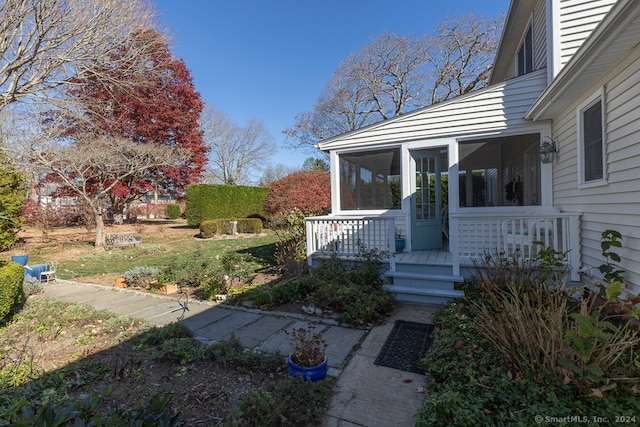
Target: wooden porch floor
[(434, 257)]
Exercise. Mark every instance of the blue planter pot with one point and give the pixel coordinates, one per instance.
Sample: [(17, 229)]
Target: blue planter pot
[(20, 259), (400, 245), (313, 373)]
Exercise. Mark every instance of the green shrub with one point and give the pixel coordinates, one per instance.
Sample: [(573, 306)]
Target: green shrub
[(291, 249), (355, 290), (152, 411), (31, 286), (235, 270), (142, 277), (173, 211), (13, 193), (292, 402), (250, 225), (209, 201), (284, 292), (232, 354), (469, 385), (538, 328), (11, 278), (208, 228)]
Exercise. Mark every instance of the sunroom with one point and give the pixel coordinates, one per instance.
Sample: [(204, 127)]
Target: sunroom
[(455, 181)]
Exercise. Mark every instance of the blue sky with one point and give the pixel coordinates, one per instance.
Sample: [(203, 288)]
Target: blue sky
[(271, 59)]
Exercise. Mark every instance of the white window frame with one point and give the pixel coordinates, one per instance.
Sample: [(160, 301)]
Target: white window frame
[(598, 96)]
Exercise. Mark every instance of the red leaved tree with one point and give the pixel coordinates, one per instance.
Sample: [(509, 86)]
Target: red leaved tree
[(309, 191), (289, 200), (164, 109)]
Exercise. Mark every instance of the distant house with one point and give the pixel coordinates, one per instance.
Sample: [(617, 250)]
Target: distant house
[(549, 151)]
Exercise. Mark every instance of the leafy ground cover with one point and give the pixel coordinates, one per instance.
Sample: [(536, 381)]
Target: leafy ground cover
[(64, 363), (63, 360), (522, 349)]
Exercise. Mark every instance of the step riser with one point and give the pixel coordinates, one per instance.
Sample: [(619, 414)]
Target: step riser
[(423, 284), (422, 299), (425, 269)]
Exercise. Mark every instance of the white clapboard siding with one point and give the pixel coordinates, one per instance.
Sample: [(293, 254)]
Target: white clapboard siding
[(539, 35), (578, 18), (496, 107), (616, 204)]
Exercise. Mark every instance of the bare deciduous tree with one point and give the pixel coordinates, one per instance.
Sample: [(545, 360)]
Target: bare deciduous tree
[(462, 55), (235, 153), (273, 173), (46, 43), (92, 166), (395, 74)]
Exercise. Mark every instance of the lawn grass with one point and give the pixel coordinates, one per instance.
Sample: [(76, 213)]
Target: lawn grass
[(158, 249)]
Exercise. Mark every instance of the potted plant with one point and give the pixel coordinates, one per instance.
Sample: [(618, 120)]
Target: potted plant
[(308, 357), (400, 242)]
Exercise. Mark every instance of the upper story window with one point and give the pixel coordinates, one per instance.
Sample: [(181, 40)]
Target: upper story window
[(525, 54), (591, 140)]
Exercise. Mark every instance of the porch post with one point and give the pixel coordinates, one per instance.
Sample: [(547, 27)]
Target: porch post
[(454, 246), (310, 239), (392, 243)]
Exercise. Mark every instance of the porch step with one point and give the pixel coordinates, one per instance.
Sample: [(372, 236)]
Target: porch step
[(424, 296), (423, 288), (449, 279)]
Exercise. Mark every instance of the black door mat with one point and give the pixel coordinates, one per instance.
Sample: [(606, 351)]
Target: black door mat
[(406, 346)]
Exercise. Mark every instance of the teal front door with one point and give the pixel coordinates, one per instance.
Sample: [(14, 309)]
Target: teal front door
[(426, 200)]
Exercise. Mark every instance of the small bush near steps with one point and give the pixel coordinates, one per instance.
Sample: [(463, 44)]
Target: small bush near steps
[(352, 290), (142, 277)]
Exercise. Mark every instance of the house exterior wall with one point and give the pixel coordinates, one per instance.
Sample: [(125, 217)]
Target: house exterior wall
[(577, 20), (614, 205)]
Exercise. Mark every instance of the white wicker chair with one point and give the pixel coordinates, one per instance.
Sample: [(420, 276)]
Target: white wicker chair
[(50, 273)]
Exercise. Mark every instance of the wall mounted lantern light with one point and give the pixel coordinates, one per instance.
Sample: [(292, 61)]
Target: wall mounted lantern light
[(547, 149)]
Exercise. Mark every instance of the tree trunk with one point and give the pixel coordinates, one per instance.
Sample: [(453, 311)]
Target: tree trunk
[(118, 218), (117, 209), (99, 228)]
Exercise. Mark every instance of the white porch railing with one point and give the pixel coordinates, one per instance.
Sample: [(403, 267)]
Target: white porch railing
[(474, 235), (344, 234)]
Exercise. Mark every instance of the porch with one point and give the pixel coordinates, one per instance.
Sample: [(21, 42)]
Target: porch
[(430, 276)]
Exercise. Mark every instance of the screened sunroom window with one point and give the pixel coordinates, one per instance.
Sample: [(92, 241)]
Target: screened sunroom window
[(500, 172), (370, 180)]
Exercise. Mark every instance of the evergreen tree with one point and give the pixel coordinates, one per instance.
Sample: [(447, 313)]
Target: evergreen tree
[(13, 193)]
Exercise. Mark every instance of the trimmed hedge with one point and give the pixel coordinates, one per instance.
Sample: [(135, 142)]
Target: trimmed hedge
[(210, 227), (212, 201), (173, 211), (11, 278)]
